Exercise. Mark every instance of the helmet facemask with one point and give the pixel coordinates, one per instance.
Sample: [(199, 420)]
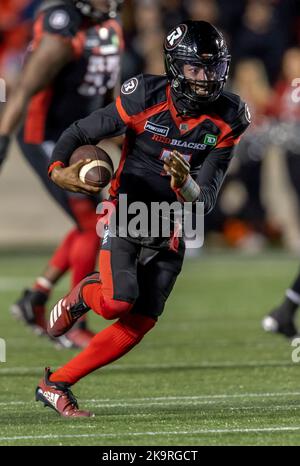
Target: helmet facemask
[(200, 81)]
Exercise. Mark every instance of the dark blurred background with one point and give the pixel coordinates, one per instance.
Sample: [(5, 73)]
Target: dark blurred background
[(259, 203)]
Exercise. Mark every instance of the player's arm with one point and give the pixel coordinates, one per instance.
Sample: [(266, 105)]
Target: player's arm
[(211, 176), (107, 122), (103, 123), (52, 54), (206, 186)]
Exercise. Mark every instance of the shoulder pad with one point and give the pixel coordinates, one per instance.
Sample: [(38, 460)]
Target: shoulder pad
[(63, 20), (155, 89), (242, 120), (235, 112), (132, 95)]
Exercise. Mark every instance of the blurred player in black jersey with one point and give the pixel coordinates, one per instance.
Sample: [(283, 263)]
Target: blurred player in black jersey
[(180, 133), (282, 318), (71, 69)]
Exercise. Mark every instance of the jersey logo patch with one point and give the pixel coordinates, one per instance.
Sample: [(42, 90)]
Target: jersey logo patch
[(175, 37), (156, 129), (129, 86), (59, 19), (210, 139)]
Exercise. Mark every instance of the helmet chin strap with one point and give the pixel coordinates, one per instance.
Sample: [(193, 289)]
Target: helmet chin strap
[(184, 107)]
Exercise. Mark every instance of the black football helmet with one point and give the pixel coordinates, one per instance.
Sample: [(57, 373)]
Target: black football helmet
[(86, 8), (199, 48)]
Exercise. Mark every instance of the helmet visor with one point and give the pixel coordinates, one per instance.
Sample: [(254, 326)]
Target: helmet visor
[(201, 77)]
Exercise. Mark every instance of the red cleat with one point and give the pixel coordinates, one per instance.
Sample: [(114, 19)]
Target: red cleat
[(58, 396), (70, 308)]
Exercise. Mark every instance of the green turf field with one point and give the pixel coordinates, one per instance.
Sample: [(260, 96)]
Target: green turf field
[(206, 375)]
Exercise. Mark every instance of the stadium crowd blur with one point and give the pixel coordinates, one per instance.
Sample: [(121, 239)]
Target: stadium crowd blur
[(260, 200)]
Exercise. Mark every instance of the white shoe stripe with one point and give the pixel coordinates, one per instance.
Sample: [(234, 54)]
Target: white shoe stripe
[(59, 309), (51, 319), (55, 313)]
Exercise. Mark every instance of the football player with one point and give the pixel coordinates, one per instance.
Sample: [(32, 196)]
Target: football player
[(282, 318), (71, 69), (180, 132)]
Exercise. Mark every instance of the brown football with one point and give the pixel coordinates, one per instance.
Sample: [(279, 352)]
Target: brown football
[(99, 171)]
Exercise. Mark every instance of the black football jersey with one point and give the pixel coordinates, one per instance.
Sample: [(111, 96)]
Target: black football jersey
[(83, 84), (146, 114)]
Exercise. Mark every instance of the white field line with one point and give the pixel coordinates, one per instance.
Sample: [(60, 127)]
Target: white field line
[(160, 433), (268, 409), (203, 397), (184, 365), (164, 400), (180, 403)]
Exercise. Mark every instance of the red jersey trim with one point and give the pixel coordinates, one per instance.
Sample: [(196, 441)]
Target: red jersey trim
[(77, 42), (116, 26), (137, 121), (226, 139), (53, 165), (229, 142), (122, 112), (34, 128), (115, 183), (36, 116), (191, 123), (38, 31)]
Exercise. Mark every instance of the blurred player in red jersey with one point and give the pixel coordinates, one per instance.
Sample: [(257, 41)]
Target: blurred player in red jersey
[(180, 132), (15, 33), (72, 68)]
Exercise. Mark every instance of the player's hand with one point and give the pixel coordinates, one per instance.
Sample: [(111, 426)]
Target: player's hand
[(68, 178), (4, 143), (176, 166)]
